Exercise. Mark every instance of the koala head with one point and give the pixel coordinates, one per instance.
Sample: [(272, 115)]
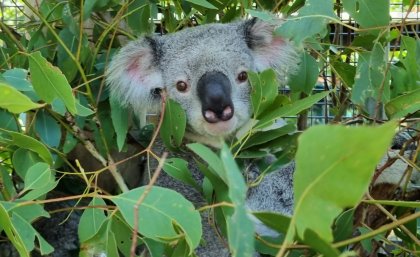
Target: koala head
[(202, 68)]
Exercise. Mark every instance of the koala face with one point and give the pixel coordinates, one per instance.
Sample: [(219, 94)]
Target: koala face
[(204, 69)]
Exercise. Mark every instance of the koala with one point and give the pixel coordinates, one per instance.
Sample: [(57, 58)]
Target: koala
[(204, 69)]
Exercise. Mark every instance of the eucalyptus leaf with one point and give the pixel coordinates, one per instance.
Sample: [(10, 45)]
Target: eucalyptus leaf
[(91, 220), (210, 157), (345, 72), (372, 79), (305, 78), (312, 20), (27, 142), (264, 90), (39, 180), (120, 121), (203, 3), (403, 105), (276, 221), (337, 177), (166, 208), (239, 225), (8, 121), (178, 169), (294, 108), (23, 159), (369, 14), (14, 101), (18, 79), (173, 125), (12, 233), (49, 82), (48, 129)]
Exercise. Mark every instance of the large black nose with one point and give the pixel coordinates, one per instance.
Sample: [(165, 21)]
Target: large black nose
[(214, 92)]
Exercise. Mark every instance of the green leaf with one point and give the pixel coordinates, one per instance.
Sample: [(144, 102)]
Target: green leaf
[(403, 105), (262, 137), (203, 3), (8, 191), (139, 16), (82, 110), (49, 82), (28, 234), (18, 79), (90, 6), (14, 101), (313, 239), (103, 243), (120, 121), (27, 212), (11, 232), (210, 157), (240, 228), (264, 90), (48, 129), (306, 77), (312, 19), (276, 221), (39, 180), (409, 58), (369, 14), (70, 37), (91, 220), (265, 16), (123, 234), (345, 72), (178, 169), (26, 142), (173, 125), (337, 177), (372, 79), (166, 208), (23, 159), (289, 110), (343, 226), (8, 121)]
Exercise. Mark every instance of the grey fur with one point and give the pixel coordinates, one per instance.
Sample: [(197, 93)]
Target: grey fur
[(159, 62)]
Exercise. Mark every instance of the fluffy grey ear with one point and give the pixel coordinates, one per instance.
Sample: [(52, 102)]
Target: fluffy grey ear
[(269, 50), (133, 76)]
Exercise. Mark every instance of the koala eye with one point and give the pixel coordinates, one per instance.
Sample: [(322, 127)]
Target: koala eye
[(181, 86), (243, 76)]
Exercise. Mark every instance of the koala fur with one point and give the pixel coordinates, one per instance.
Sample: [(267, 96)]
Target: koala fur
[(208, 59), (204, 70)]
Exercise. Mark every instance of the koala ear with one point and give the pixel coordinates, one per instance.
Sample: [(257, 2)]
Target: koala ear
[(134, 77), (269, 50)]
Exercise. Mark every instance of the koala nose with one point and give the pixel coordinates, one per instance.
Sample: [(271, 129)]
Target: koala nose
[(215, 116), (214, 92)]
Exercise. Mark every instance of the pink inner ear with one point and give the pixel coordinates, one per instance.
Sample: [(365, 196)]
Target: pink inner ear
[(277, 41), (133, 67), (272, 49)]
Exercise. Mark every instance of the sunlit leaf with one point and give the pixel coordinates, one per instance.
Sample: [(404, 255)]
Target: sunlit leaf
[(336, 177), (49, 82), (14, 101)]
